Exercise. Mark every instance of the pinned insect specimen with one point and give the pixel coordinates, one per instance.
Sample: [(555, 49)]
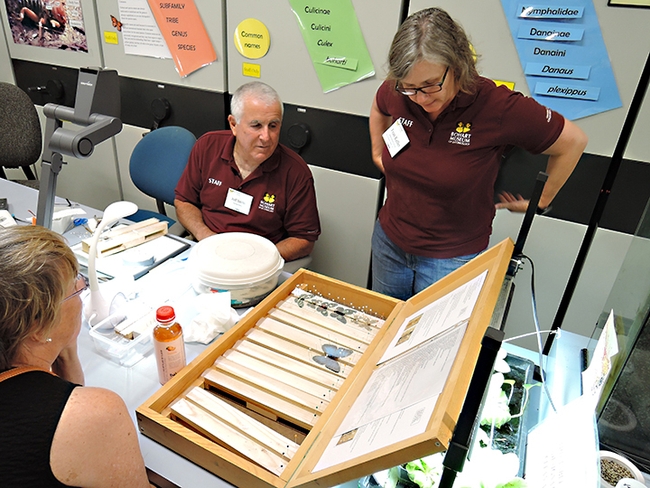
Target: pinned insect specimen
[(331, 357)]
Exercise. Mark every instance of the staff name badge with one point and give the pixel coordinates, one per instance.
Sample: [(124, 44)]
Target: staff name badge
[(239, 201), (395, 138)]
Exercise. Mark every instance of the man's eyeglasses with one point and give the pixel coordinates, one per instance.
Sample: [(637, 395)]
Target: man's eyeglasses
[(80, 286), (427, 90)]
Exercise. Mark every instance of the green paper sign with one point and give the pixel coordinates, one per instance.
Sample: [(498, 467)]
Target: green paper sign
[(333, 38)]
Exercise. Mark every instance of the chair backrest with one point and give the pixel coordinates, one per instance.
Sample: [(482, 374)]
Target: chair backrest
[(21, 141), (158, 160)]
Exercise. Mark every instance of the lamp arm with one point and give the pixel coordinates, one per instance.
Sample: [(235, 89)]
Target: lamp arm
[(79, 144), (51, 165), (92, 256), (96, 307), (60, 142)]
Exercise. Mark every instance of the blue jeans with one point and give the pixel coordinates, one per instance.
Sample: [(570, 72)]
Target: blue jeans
[(401, 275)]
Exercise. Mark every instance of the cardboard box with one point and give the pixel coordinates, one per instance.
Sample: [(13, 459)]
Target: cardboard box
[(321, 454)]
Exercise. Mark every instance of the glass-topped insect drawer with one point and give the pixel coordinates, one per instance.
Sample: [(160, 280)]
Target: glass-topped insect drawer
[(257, 405)]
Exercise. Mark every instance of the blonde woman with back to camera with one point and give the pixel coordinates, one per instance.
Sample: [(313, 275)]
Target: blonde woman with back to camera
[(53, 430)]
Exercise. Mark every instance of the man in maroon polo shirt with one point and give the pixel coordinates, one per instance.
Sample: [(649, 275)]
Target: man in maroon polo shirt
[(243, 180)]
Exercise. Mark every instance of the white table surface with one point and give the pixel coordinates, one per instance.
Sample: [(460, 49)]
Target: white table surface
[(169, 284)]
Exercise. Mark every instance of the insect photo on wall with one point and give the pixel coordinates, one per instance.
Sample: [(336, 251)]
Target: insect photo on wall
[(116, 23), (52, 24)]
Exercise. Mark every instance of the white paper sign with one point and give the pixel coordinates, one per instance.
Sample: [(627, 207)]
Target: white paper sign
[(397, 401), (140, 33), (562, 451)]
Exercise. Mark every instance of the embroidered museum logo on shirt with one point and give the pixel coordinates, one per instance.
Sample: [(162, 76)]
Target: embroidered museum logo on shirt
[(461, 134), (268, 203)]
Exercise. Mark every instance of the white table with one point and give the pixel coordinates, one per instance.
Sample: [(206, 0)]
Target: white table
[(23, 201), (137, 383)]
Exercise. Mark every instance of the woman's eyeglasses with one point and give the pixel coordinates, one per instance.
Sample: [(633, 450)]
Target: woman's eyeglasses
[(427, 90), (80, 286)]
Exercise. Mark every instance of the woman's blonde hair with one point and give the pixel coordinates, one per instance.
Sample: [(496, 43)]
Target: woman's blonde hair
[(432, 35), (36, 269)]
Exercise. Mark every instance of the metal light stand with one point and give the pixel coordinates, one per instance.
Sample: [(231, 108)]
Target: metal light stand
[(461, 440), (97, 91)]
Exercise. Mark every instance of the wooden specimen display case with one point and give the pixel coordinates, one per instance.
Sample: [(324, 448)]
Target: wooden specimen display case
[(324, 382)]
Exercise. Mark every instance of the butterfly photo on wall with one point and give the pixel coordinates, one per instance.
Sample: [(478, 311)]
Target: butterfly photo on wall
[(116, 23)]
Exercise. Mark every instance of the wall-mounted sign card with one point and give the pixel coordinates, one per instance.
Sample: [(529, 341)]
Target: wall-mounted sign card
[(334, 40), (181, 25), (140, 33), (563, 55), (252, 39), (629, 3), (54, 25)]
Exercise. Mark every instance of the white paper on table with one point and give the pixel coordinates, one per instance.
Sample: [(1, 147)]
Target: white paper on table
[(397, 401), (562, 451), (456, 306)]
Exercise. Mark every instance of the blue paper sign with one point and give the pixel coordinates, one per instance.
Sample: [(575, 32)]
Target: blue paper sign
[(547, 12), (565, 90), (549, 32), (563, 55), (558, 70)]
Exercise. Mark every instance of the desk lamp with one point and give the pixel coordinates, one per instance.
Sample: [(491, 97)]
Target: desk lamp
[(97, 105), (98, 308)]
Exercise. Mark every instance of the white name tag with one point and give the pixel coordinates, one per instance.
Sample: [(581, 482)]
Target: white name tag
[(395, 138), (239, 201)]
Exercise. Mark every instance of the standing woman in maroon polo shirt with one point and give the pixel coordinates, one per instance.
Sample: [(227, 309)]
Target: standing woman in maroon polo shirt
[(448, 128)]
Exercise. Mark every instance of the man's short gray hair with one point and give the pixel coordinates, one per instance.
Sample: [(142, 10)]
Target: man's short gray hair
[(255, 89)]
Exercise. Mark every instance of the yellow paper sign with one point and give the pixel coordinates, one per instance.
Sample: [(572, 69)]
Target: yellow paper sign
[(250, 69), (110, 37), (185, 35), (252, 39)]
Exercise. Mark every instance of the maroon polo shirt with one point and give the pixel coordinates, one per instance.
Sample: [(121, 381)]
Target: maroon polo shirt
[(440, 187), (282, 187)]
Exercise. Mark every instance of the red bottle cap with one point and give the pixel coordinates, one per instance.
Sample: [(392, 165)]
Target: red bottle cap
[(165, 314)]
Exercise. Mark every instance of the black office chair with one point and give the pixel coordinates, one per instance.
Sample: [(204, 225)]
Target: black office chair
[(21, 141), (157, 163)]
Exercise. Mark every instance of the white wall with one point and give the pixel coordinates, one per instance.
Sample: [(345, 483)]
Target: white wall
[(210, 77), (627, 38), (552, 245)]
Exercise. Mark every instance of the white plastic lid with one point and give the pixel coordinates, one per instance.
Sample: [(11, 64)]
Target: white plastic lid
[(235, 259)]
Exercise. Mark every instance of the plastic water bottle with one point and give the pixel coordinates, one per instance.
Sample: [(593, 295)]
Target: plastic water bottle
[(168, 344)]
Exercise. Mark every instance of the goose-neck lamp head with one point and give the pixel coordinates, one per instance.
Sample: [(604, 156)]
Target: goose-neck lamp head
[(97, 307)]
